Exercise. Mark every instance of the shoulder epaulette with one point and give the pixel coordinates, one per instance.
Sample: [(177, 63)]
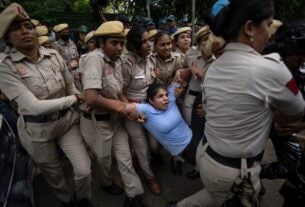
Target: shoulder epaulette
[(52, 51), (128, 61), (3, 56)]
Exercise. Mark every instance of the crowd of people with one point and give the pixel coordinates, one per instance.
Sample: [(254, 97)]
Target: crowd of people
[(127, 90)]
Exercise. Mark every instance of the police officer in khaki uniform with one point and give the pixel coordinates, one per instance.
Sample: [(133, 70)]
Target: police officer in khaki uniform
[(103, 129), (241, 98), (65, 46), (38, 80), (91, 45), (167, 61), (138, 73), (182, 40), (68, 50), (201, 61)]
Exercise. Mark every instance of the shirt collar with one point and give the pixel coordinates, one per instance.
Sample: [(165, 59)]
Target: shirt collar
[(167, 60), (179, 51), (235, 46), (17, 56), (106, 58)]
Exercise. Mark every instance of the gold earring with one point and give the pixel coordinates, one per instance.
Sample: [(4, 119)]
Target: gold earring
[(251, 39)]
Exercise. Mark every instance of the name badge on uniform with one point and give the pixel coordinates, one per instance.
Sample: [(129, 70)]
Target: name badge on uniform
[(139, 77), (22, 70)]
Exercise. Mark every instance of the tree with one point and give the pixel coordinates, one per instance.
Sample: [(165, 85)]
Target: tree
[(285, 10)]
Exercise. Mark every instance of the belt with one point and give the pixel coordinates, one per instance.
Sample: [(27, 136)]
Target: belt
[(194, 93), (230, 161), (98, 117), (44, 118)]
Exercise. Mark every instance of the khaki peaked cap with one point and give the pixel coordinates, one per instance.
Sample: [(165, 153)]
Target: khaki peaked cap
[(89, 36), (111, 28), (152, 33), (35, 22), (43, 39), (42, 30), (60, 27), (12, 13), (182, 30), (202, 32), (274, 26)]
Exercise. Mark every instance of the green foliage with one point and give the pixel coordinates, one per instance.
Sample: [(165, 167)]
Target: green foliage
[(48, 10), (289, 10), (81, 6), (42, 9)]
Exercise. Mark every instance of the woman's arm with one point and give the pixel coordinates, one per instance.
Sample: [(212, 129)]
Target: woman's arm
[(37, 107), (94, 100), (186, 74), (13, 87)]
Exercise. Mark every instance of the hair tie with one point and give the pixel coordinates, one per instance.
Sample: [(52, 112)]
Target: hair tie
[(218, 6)]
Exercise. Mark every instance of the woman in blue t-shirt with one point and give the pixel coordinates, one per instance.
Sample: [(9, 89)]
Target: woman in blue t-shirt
[(164, 121)]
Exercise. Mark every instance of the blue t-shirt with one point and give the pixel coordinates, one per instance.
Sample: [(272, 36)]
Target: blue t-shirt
[(168, 126)]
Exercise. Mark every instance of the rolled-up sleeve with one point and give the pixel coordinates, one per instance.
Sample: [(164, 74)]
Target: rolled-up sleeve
[(93, 72)]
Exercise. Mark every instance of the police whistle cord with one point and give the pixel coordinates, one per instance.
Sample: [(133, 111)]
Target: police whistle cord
[(14, 161)]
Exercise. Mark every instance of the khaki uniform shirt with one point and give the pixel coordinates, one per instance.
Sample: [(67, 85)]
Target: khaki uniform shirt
[(125, 55), (190, 55), (81, 61), (183, 55), (67, 50), (103, 74), (198, 61), (138, 76), (169, 66), (241, 90), (46, 79)]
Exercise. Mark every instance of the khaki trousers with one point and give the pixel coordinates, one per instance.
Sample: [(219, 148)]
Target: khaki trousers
[(40, 141), (217, 179), (105, 137), (188, 107), (137, 134)]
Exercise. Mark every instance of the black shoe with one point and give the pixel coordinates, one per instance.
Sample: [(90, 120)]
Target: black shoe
[(194, 174), (176, 167), (84, 203), (134, 202), (70, 204), (113, 189), (171, 204)]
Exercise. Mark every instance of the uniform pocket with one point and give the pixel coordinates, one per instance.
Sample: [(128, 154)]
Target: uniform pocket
[(37, 86)]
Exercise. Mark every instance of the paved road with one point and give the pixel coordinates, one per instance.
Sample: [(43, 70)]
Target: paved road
[(174, 188)]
